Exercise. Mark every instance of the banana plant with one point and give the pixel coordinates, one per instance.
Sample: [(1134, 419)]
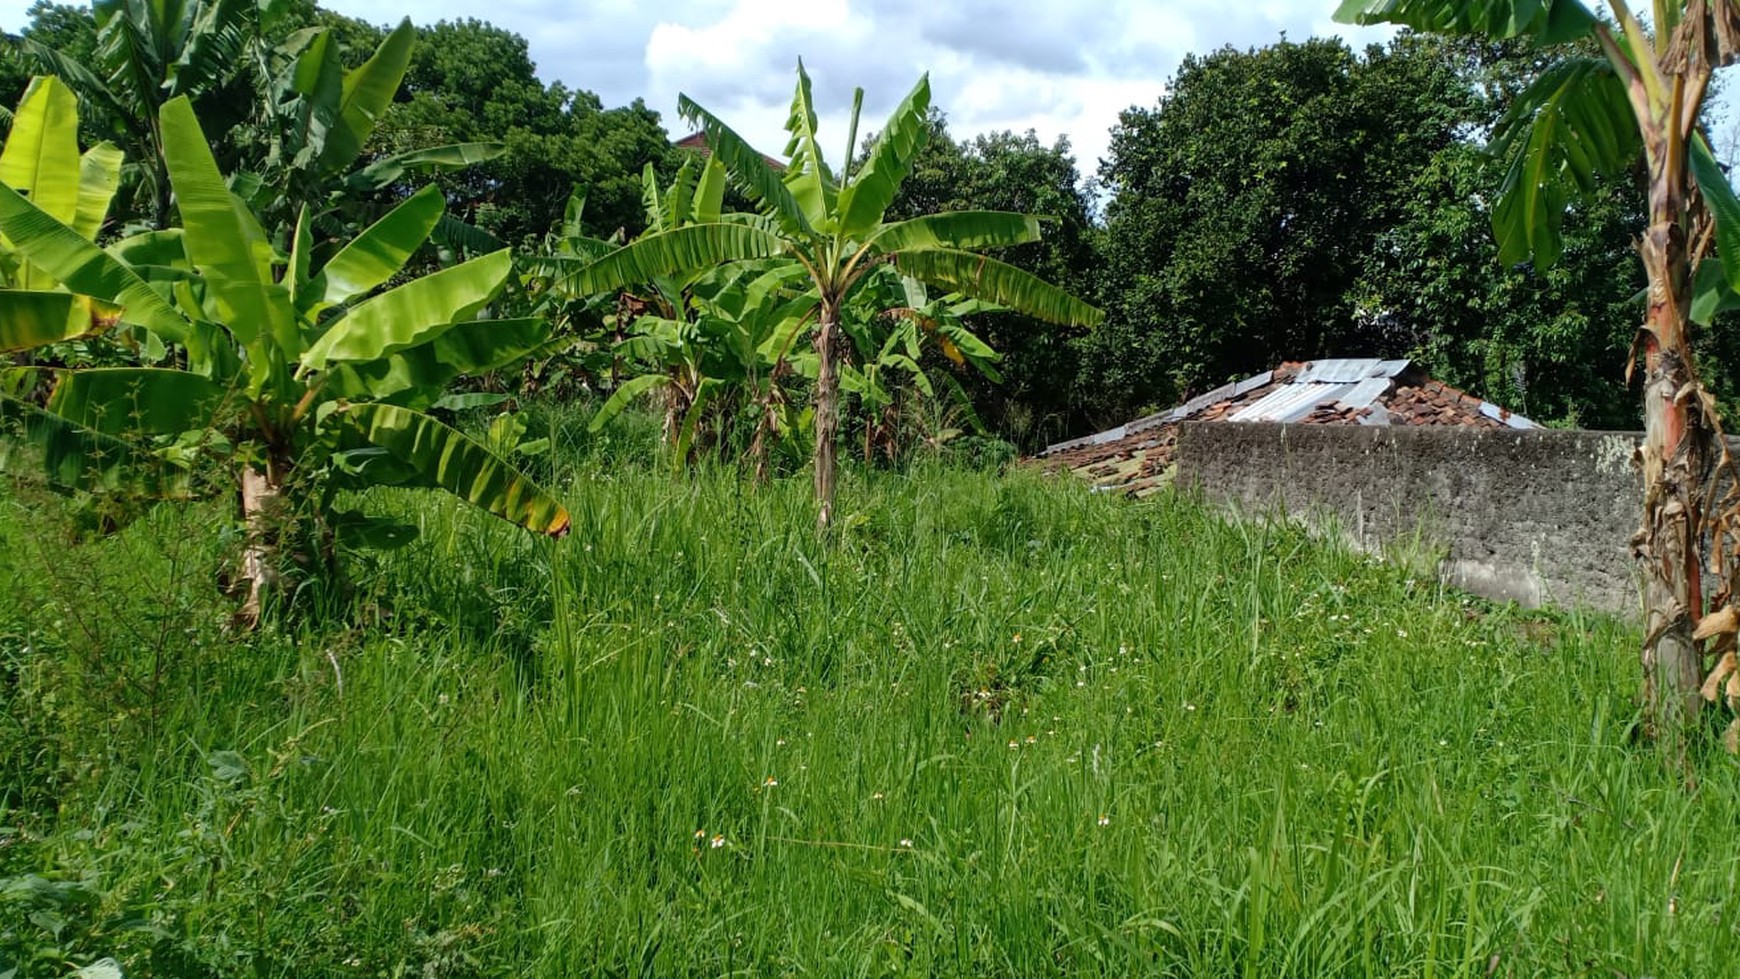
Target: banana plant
[(300, 377), (148, 52), (317, 119), (1592, 117), (832, 226), (729, 353), (890, 323)]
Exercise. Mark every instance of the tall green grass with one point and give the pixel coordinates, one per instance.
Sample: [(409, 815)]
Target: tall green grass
[(1002, 726)]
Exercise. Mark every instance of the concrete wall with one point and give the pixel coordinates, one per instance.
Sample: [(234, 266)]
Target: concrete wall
[(1536, 516)]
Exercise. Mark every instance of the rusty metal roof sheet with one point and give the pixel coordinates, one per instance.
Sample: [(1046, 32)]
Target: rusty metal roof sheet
[(1137, 456)]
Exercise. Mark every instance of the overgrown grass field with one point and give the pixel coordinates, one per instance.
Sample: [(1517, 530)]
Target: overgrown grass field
[(1002, 726)]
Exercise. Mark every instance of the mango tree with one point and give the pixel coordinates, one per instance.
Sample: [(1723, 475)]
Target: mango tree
[(1588, 119), (832, 226), (300, 379)]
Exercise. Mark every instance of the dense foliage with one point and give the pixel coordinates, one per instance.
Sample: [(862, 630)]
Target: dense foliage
[(1344, 219)]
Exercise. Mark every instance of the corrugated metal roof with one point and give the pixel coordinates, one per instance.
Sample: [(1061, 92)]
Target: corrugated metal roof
[(1136, 456), (1289, 402)]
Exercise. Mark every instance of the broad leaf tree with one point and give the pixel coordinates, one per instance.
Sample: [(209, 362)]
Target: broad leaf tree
[(1589, 118), (833, 225)]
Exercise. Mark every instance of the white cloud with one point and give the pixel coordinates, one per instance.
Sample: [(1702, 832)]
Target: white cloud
[(1059, 69)]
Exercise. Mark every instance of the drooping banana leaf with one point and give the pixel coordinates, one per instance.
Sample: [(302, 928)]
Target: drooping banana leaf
[(986, 278), (36, 319), (443, 458), (84, 268), (142, 400), (698, 246), (389, 170), (71, 458), (958, 229)]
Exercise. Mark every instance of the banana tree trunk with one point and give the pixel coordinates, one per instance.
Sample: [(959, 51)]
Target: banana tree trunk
[(827, 410), (1680, 443), (262, 520)]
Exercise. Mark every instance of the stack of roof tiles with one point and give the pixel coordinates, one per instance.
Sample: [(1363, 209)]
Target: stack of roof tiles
[(1136, 457)]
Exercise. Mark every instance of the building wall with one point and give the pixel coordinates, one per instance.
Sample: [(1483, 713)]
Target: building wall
[(1537, 516)]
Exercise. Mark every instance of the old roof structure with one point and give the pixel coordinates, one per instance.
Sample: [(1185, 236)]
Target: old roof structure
[(1136, 457)]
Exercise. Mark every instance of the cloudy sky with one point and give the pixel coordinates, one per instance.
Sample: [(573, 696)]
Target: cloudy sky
[(1057, 68)]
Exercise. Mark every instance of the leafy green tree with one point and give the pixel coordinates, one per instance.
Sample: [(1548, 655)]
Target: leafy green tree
[(1588, 118), (1245, 206), (305, 380), (471, 82), (834, 228)]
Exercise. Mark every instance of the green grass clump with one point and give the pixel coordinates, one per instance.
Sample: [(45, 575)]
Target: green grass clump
[(1001, 727)]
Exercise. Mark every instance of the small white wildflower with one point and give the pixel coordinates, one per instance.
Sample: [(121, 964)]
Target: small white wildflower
[(716, 842), (769, 782), (1105, 820), (906, 844)]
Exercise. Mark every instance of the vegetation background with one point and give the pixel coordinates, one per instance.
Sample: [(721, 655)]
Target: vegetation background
[(993, 724)]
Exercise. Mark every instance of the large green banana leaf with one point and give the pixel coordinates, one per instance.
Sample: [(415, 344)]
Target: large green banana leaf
[(867, 197), (382, 249), (986, 278), (1572, 125), (1719, 195), (412, 314), (84, 268), (41, 158), (31, 319), (806, 172), (368, 90), (443, 458), (1549, 21), (142, 400), (99, 178), (222, 240), (390, 169), (697, 246), (958, 229), (417, 377)]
